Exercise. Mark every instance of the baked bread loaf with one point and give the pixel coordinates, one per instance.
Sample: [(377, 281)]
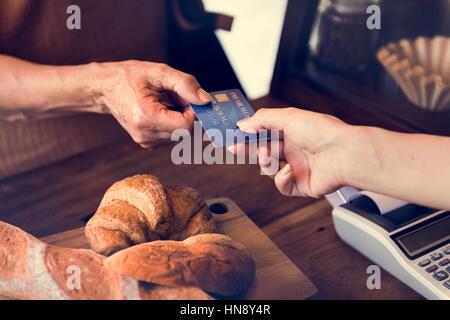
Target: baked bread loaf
[(212, 262), (30, 269), (139, 209)]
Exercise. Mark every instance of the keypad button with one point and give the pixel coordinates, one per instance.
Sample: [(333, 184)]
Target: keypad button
[(444, 262), (431, 268), (440, 275), (447, 284), (436, 256), (447, 251), (424, 263), (448, 269)]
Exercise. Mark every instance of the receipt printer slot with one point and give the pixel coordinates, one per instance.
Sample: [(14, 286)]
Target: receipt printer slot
[(391, 220)]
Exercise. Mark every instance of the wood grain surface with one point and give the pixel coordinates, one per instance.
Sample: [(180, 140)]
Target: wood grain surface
[(276, 276), (58, 197)]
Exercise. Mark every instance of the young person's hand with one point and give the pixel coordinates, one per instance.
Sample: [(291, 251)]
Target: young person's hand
[(311, 150), (319, 154)]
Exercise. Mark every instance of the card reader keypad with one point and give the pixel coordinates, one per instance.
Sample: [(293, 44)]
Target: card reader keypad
[(444, 262), (441, 260), (424, 263), (447, 284), (440, 275), (436, 256), (431, 268)]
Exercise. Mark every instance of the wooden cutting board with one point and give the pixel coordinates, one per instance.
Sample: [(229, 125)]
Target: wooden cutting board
[(276, 276)]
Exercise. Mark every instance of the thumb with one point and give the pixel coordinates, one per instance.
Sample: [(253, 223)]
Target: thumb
[(284, 180), (184, 85), (265, 118)]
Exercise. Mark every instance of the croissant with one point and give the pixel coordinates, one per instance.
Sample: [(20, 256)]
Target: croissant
[(140, 209), (212, 262), (165, 236)]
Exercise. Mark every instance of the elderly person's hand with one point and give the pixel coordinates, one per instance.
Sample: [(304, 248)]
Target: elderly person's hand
[(140, 95)]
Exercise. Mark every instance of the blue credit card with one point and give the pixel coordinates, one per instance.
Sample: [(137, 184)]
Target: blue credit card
[(219, 118)]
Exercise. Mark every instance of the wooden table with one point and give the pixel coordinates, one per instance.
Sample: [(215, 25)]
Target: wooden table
[(60, 196)]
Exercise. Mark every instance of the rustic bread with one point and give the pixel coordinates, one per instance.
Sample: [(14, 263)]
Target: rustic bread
[(30, 269), (212, 262), (139, 209)]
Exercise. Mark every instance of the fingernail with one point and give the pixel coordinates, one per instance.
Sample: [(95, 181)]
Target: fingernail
[(242, 123), (264, 159), (203, 95), (249, 130), (244, 126), (286, 170)]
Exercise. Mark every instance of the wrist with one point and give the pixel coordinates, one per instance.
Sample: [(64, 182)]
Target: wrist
[(92, 87), (360, 159), (74, 89)]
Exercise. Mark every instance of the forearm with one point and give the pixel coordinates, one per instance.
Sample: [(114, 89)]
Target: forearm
[(412, 167), (33, 89)]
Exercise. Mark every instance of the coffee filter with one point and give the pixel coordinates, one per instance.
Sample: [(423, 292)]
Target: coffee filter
[(421, 67)]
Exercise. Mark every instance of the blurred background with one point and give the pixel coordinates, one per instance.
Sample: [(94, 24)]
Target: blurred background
[(400, 72), (396, 75), (252, 45)]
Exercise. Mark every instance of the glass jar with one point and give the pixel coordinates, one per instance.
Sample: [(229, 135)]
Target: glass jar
[(407, 19), (342, 39)]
